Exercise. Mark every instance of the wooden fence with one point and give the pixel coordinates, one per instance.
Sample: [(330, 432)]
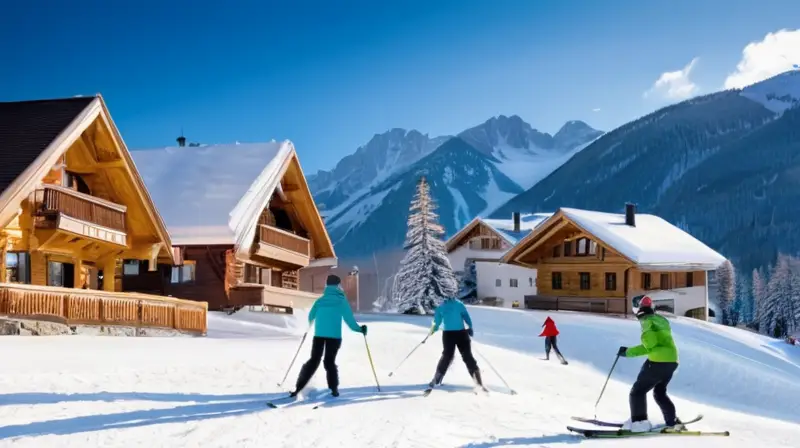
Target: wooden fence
[(90, 307)]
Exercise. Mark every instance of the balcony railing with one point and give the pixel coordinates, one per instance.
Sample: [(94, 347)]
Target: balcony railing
[(285, 240), (87, 208)]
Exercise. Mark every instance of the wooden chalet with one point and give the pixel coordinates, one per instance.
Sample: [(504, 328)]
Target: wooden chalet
[(243, 224), (592, 261), (483, 242), (72, 207)]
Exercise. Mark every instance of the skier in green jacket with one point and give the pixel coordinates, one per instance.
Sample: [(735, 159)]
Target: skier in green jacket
[(657, 371)]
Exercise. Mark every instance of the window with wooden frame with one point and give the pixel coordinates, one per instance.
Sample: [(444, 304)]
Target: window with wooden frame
[(586, 281), (18, 267), (689, 279), (513, 282), (252, 273), (611, 281), (665, 283), (582, 247), (567, 248), (592, 247), (557, 251), (130, 267), (184, 273), (646, 281), (555, 280)]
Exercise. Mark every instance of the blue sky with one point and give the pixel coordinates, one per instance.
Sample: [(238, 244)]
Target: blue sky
[(329, 77)]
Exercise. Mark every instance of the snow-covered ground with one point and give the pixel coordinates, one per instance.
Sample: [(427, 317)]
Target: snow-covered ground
[(84, 391)]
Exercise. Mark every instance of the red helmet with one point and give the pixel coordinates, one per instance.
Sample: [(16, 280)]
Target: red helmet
[(646, 302)]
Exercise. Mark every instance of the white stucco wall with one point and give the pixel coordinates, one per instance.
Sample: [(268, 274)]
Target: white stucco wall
[(461, 254), (684, 299), (490, 271)]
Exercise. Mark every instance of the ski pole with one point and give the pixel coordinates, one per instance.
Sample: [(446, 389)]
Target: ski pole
[(409, 355), (604, 386), (371, 364), (513, 392), (280, 385)]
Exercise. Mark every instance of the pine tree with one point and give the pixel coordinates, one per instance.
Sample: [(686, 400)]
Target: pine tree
[(468, 284), (744, 299), (759, 293), (792, 311), (774, 308), (425, 277), (726, 290)]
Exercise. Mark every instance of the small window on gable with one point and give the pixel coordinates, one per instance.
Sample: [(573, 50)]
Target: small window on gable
[(557, 251), (592, 248), (583, 246), (567, 248)]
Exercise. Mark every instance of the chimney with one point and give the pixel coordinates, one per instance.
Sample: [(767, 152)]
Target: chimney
[(630, 214), (181, 141), (515, 217)]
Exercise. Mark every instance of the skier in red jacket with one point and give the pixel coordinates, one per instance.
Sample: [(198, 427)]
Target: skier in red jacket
[(550, 333)]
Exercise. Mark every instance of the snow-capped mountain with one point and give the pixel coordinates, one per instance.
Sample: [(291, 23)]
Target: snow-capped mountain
[(723, 166), (470, 175), (384, 155)]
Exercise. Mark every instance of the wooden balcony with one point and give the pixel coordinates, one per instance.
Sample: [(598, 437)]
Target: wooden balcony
[(249, 294), (286, 248), (69, 210)]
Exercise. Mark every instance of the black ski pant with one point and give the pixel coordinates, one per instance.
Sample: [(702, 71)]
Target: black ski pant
[(654, 376), (550, 342), (450, 341), (330, 346)]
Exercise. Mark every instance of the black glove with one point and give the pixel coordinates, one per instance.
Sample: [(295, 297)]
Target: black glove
[(622, 351), (364, 330), (470, 332)]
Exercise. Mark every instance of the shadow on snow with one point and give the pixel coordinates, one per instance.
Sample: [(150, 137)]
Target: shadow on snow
[(204, 407)]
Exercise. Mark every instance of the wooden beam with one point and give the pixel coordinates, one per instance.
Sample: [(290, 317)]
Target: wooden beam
[(561, 224), (289, 187), (88, 142), (119, 163)]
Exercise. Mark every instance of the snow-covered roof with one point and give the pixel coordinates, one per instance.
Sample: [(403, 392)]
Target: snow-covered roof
[(652, 242), (213, 194), (505, 227)]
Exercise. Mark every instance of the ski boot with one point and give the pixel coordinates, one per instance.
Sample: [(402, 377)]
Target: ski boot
[(334, 392), (437, 380), (476, 376)]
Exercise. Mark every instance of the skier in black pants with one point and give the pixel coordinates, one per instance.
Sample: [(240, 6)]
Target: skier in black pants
[(327, 314), (454, 314)]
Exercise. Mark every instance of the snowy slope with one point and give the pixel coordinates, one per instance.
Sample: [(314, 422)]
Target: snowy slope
[(778, 93), (210, 392)]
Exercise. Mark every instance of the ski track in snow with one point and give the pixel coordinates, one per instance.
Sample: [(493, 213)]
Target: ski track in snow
[(84, 391)]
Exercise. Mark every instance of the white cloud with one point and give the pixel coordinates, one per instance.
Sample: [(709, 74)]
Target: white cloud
[(773, 55), (675, 85), (596, 109)]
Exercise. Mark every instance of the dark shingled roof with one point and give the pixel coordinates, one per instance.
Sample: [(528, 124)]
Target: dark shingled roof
[(28, 127)]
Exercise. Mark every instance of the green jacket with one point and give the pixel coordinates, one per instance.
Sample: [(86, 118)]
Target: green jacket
[(657, 342)]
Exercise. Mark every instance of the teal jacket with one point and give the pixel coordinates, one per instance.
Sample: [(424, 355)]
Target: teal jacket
[(453, 313), (327, 314)]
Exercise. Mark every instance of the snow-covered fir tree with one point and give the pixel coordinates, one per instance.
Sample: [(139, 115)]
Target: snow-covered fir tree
[(744, 300), (468, 283), (726, 290), (425, 277), (775, 305), (759, 289)]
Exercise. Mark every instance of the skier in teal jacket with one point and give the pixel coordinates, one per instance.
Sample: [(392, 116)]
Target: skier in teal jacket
[(327, 314), (455, 335)]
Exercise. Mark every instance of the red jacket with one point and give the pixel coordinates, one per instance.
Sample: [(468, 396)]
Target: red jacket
[(549, 328)]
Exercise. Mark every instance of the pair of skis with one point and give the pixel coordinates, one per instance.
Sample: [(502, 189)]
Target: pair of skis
[(320, 397), (657, 430)]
